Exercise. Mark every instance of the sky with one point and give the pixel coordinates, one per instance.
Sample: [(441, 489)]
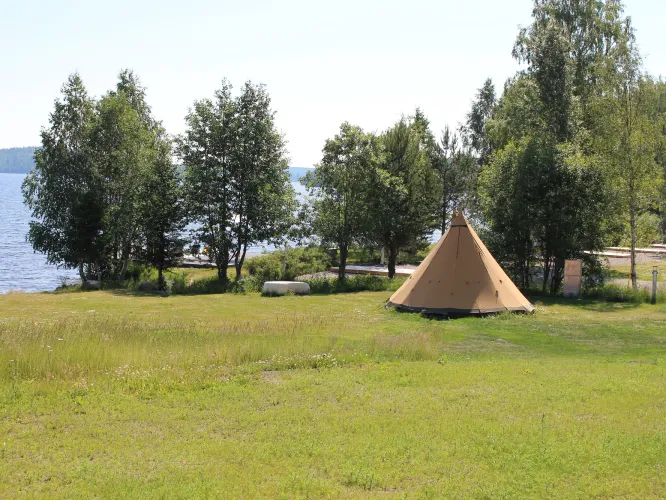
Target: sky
[(363, 61)]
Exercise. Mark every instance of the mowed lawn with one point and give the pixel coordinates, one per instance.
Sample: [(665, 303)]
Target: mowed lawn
[(114, 395), (643, 271)]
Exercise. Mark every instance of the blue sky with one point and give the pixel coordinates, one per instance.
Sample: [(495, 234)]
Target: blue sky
[(362, 61)]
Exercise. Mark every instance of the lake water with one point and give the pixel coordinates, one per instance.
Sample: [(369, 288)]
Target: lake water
[(20, 267), (23, 269)]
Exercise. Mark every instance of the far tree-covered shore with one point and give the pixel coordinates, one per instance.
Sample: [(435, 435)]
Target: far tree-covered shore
[(22, 161), (17, 160)]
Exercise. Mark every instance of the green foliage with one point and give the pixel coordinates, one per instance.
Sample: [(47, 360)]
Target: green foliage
[(357, 283), (123, 144), (341, 189), (61, 190), (572, 41), (285, 265), (457, 170), (546, 193), (98, 175), (630, 135), (474, 131), (162, 214), (648, 230), (516, 114), (236, 182), (541, 202), (404, 192), (584, 86)]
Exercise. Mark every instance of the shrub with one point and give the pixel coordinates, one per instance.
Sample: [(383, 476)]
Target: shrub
[(286, 265), (617, 293), (138, 272), (362, 255), (360, 283)]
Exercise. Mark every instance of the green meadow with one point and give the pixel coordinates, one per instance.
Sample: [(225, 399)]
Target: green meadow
[(643, 271), (116, 395)]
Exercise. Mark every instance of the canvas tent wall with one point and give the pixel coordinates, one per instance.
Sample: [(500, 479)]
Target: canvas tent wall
[(460, 276)]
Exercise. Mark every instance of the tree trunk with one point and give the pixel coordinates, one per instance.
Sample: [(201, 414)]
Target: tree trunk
[(343, 261), (160, 278), (523, 266), (443, 213), (82, 274), (444, 203), (556, 279), (124, 255), (632, 222), (222, 275), (239, 261), (392, 258), (546, 273), (123, 271), (222, 262)]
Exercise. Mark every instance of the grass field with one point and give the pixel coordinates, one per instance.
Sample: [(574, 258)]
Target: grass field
[(113, 395), (643, 271)]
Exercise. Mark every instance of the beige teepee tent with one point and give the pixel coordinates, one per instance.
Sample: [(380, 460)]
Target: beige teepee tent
[(459, 276)]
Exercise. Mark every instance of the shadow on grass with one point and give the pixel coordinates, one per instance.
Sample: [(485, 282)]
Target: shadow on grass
[(132, 292), (587, 303), (614, 274)]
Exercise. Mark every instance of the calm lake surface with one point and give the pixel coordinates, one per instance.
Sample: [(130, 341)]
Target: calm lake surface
[(20, 267)]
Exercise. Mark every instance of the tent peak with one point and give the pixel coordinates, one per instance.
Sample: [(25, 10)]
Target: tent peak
[(458, 219)]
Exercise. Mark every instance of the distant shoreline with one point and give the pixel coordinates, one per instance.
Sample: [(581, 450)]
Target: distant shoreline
[(21, 161)]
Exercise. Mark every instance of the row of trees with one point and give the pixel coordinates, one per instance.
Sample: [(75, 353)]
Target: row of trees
[(102, 182), (105, 189), (576, 142), (571, 157), (106, 192), (388, 190)]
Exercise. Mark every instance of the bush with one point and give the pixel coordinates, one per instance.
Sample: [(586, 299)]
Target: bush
[(594, 273), (210, 285), (617, 293), (360, 283), (138, 272), (361, 255), (286, 265)]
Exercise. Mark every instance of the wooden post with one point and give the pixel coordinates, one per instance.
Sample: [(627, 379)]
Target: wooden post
[(654, 284)]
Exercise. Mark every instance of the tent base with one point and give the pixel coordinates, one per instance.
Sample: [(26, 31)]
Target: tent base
[(456, 313)]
